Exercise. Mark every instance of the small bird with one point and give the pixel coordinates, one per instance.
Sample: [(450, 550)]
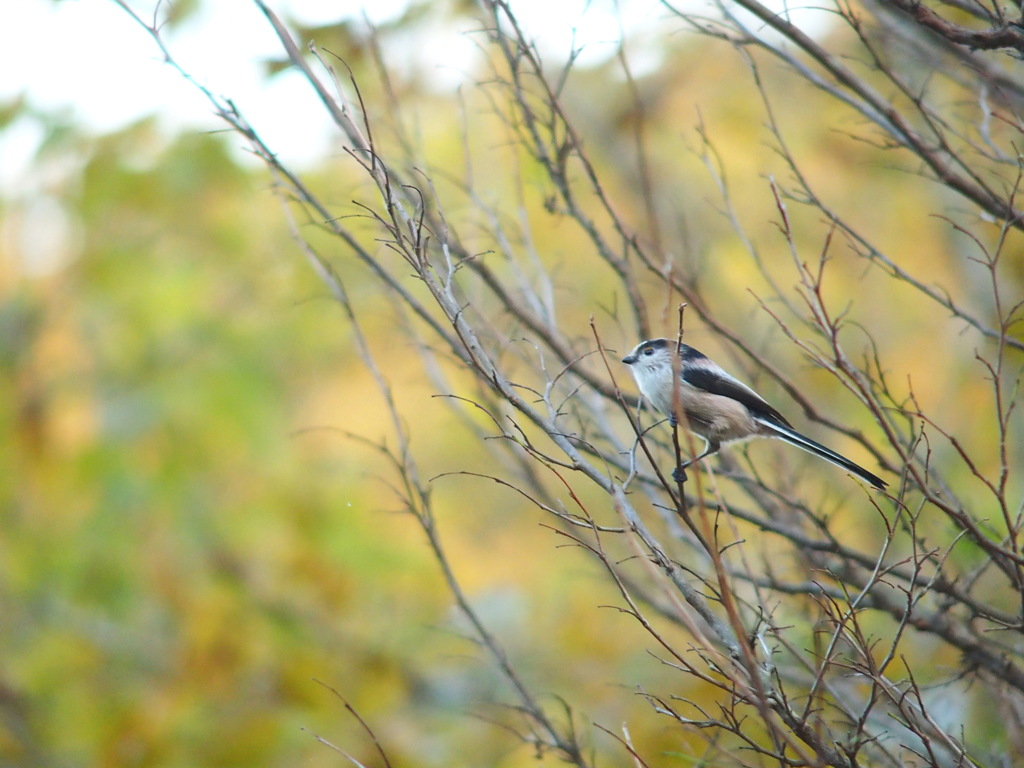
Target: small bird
[(715, 405)]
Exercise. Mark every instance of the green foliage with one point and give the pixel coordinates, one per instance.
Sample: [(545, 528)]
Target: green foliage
[(191, 538), (175, 555)]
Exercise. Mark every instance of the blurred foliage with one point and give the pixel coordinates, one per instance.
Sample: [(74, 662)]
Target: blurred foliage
[(191, 540), (191, 537)]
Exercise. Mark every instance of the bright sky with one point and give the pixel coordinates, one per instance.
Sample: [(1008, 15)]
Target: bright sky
[(89, 57), (88, 60), (91, 62)]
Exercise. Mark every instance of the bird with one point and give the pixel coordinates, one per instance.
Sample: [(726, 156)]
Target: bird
[(716, 406)]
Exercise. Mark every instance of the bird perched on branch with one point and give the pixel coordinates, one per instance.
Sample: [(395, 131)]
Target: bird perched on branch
[(715, 405)]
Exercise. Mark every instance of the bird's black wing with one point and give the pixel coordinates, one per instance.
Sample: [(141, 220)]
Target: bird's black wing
[(714, 382)]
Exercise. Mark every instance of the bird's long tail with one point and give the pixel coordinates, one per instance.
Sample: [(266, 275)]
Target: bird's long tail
[(793, 437)]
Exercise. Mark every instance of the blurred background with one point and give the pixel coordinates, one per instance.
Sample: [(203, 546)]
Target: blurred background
[(201, 557)]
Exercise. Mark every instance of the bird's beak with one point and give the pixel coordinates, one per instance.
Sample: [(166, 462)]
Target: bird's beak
[(629, 359)]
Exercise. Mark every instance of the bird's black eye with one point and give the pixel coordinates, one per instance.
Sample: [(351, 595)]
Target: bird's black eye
[(648, 350)]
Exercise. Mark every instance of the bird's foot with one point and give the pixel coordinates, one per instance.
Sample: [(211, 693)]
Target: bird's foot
[(679, 474)]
